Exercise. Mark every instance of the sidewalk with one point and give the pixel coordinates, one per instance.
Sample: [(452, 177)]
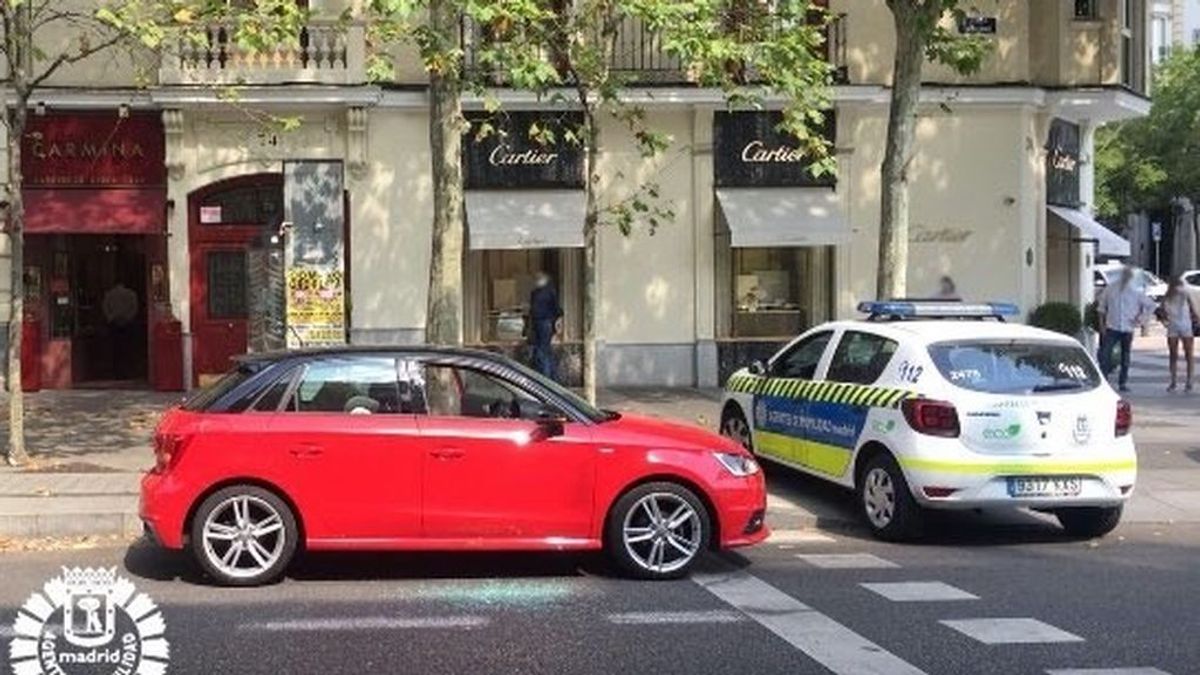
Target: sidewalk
[(90, 447)]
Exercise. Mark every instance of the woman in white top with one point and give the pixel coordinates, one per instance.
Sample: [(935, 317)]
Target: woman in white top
[(1177, 311)]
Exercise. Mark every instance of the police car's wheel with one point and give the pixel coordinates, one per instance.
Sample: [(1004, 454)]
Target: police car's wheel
[(1089, 521), (734, 425), (889, 507), (657, 531), (243, 535)]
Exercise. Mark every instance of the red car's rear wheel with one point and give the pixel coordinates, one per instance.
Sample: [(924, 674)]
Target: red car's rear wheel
[(244, 535)]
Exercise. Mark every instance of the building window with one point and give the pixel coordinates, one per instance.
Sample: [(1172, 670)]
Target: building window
[(779, 292), (506, 281), (227, 284), (1087, 10), (243, 205)]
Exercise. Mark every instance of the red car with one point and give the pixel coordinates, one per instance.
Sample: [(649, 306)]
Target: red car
[(434, 449)]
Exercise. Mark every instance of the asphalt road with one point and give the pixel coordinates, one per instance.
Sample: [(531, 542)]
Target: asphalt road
[(1128, 601)]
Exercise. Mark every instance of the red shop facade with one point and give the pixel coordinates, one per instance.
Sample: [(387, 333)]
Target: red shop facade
[(97, 302)]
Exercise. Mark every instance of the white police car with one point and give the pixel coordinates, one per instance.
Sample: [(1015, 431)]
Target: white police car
[(931, 405)]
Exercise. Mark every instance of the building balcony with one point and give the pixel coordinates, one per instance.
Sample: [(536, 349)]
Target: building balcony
[(326, 53), (640, 58)]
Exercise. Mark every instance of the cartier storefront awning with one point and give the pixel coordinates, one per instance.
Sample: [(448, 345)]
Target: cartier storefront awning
[(766, 217), (519, 219)]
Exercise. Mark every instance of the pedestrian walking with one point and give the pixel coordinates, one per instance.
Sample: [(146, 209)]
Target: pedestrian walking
[(1123, 307), (1178, 311), (545, 314)]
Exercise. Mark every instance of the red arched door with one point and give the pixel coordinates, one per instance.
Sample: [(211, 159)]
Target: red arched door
[(224, 220)]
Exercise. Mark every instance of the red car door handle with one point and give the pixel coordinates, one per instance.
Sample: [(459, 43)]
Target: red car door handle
[(448, 453), (306, 451)]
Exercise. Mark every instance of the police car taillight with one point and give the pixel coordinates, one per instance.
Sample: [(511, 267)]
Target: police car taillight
[(934, 418), (1124, 418)]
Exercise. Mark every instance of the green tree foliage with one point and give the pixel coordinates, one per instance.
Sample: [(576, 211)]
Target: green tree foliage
[(1144, 163), (136, 26)]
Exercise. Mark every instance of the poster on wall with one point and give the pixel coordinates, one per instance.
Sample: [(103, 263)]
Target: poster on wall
[(314, 262)]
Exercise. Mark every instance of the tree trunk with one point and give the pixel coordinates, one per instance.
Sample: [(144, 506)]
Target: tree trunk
[(591, 221), (16, 238), (18, 50), (443, 322), (891, 276)]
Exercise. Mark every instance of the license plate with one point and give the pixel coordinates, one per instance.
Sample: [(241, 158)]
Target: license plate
[(1045, 486)]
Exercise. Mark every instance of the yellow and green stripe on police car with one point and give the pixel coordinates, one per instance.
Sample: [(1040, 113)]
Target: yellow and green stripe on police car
[(826, 458), (830, 392)]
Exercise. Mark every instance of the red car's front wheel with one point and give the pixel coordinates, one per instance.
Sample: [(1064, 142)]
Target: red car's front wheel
[(657, 531)]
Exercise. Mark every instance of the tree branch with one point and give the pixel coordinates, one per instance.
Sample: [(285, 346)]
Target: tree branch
[(67, 58)]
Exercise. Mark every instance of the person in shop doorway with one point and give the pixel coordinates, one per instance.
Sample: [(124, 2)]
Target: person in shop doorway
[(120, 307), (947, 290), (545, 316)]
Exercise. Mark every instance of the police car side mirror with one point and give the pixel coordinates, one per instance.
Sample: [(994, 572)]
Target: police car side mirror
[(757, 367)]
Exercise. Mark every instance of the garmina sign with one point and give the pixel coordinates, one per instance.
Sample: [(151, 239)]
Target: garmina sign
[(93, 149), (1062, 164), (511, 156), (749, 150)]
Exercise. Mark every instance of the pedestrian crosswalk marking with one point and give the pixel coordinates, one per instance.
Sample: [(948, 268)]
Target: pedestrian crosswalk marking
[(826, 641), (846, 561), (798, 537), (1004, 631), (645, 618), (918, 591), (1107, 671), (367, 623)]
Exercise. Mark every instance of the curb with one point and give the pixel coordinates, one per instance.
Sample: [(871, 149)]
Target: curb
[(61, 505), (34, 525)]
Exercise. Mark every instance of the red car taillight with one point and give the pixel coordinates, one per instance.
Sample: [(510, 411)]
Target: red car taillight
[(935, 418), (167, 448), (1124, 418)]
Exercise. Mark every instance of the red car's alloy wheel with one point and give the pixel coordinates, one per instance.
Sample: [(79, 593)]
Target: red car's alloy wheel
[(662, 533)]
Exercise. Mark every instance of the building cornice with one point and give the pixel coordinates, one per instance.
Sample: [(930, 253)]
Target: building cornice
[(1097, 105)]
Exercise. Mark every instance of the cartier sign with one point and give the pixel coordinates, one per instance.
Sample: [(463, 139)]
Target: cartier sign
[(750, 150), (511, 155), (93, 149), (1062, 164)]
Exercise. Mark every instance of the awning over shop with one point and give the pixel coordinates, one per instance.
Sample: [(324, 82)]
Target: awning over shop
[(95, 211), (1110, 243), (768, 217), (516, 219)]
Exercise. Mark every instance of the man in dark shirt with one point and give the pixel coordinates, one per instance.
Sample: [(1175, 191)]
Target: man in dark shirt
[(544, 314)]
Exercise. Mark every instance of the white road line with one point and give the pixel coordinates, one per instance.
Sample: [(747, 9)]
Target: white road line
[(846, 561), (798, 537), (709, 616), (919, 591), (367, 623), (1010, 631), (1107, 671), (826, 641)]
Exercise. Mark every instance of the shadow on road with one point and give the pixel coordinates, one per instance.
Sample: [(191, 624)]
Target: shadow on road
[(836, 510), (148, 561)]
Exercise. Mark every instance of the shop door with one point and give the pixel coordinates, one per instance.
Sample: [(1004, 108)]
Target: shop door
[(225, 220), (219, 313)]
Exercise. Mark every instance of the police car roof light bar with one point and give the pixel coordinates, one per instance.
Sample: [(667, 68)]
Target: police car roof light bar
[(907, 310)]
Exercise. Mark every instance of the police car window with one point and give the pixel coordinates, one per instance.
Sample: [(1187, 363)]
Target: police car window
[(1192, 279), (801, 360), (860, 358), (1015, 366)]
